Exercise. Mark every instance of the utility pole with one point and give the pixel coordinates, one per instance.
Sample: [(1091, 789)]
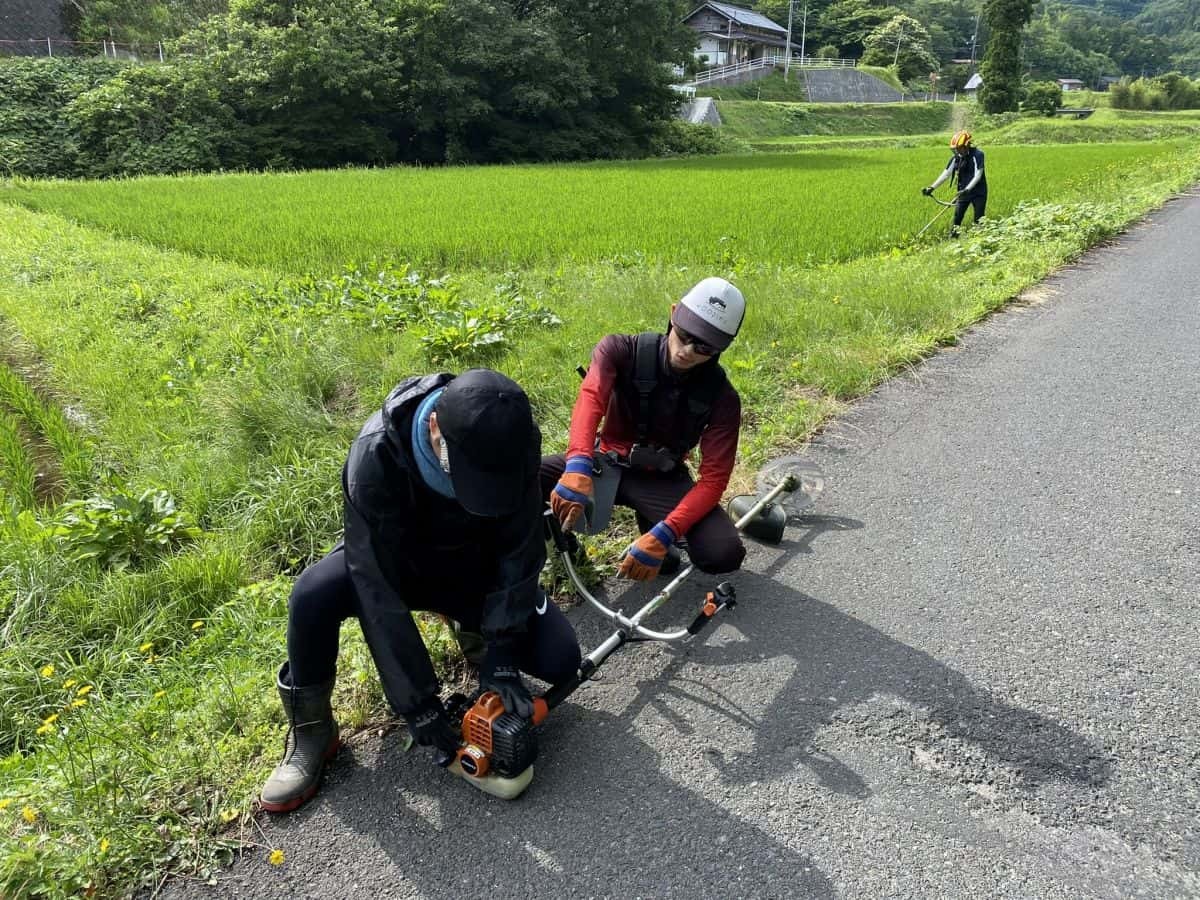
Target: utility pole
[(975, 38), (787, 46), (899, 38), (803, 32)]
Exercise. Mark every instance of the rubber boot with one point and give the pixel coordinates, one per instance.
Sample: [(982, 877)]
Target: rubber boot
[(312, 740), (471, 643)]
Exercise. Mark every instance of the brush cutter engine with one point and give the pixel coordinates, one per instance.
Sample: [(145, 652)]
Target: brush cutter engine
[(495, 742)]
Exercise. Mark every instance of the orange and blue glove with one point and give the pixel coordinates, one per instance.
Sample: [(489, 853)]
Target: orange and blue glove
[(644, 557), (573, 493)]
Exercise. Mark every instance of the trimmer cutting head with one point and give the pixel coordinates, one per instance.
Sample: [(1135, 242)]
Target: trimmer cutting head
[(795, 483)]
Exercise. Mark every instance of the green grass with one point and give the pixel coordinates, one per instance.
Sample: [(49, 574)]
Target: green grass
[(1103, 126), (772, 87), (156, 314), (756, 121)]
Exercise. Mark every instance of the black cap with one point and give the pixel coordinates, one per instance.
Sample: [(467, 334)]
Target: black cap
[(494, 446)]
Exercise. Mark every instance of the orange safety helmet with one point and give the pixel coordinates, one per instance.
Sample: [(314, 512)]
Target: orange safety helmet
[(960, 139)]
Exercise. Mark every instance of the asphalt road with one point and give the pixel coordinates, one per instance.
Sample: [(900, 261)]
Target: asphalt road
[(970, 671)]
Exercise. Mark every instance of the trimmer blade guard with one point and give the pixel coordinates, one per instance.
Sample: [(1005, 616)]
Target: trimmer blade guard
[(768, 523), (809, 483), (497, 785)]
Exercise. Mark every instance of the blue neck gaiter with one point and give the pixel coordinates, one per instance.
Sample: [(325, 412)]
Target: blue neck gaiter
[(427, 462)]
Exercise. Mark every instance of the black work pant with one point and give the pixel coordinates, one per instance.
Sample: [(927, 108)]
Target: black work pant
[(979, 201), (323, 597), (713, 544)]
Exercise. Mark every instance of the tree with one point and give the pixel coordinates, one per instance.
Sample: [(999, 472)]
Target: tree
[(1001, 69), (847, 23), (902, 41), (1043, 97), (137, 21)]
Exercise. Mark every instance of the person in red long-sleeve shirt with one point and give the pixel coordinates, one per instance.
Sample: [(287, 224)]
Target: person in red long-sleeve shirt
[(646, 403)]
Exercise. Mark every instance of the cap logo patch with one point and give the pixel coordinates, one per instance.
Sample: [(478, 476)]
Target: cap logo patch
[(716, 301)]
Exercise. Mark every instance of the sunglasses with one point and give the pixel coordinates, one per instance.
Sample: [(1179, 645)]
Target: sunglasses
[(696, 344)]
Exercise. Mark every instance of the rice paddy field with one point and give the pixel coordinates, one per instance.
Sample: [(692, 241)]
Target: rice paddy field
[(811, 208), (183, 362)]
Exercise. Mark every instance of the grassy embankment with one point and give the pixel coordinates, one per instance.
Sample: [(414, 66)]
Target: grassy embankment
[(781, 127), (157, 344)]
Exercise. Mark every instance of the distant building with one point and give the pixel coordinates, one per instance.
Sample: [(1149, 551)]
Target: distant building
[(732, 34), (1070, 84), (972, 84), (24, 23)]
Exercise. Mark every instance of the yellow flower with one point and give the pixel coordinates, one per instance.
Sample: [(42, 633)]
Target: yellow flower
[(158, 695), (146, 647), (151, 659), (29, 814), (44, 729), (104, 845), (276, 858), (5, 803), (228, 815), (85, 690), (50, 719), (81, 702), (69, 683), (47, 671), (197, 625)]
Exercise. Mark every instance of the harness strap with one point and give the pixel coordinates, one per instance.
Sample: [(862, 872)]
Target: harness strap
[(645, 379)]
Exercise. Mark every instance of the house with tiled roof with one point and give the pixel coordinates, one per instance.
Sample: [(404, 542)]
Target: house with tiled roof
[(729, 34)]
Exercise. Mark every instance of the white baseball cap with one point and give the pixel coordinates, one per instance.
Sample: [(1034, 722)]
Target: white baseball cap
[(712, 311)]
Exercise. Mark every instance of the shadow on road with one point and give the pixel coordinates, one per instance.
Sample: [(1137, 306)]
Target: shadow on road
[(614, 812)]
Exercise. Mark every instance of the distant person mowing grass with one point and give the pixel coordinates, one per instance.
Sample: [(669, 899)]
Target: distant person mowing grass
[(967, 164)]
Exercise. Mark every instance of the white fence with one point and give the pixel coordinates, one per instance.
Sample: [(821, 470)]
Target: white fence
[(766, 62), (59, 47)]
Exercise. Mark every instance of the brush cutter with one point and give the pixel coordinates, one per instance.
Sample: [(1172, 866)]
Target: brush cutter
[(498, 747), (944, 204)]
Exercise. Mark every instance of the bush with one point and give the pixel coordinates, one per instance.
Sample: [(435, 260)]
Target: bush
[(36, 138), (679, 138), (155, 120), (1170, 91), (828, 51), (1042, 97)]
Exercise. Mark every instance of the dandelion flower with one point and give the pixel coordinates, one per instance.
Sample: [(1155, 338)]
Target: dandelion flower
[(69, 683), (197, 625), (84, 691), (276, 858), (146, 647), (228, 815), (104, 845), (44, 730), (47, 671), (158, 695), (5, 803), (29, 814), (50, 719), (80, 703)]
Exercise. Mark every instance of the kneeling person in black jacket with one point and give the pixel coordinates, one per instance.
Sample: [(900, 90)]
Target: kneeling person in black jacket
[(442, 513)]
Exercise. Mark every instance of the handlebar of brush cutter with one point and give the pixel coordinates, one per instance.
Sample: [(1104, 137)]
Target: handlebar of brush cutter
[(632, 625)]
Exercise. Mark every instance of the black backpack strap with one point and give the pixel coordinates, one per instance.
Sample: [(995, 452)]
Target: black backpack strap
[(701, 399), (645, 379)]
